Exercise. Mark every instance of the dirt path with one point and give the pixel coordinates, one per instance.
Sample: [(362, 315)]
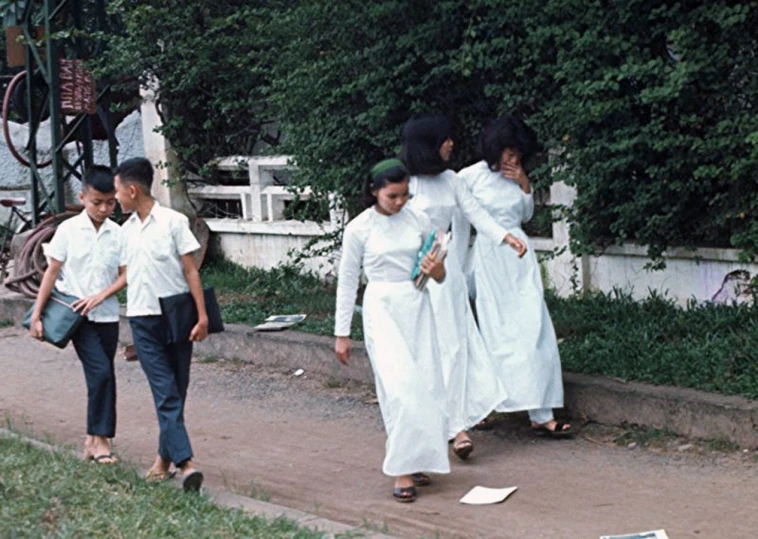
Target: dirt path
[(306, 444)]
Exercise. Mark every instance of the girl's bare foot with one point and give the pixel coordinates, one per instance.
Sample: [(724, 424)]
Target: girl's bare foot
[(462, 445)]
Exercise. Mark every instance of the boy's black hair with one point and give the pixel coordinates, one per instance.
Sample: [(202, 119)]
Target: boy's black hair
[(422, 138), (136, 170), (100, 178), (506, 132)]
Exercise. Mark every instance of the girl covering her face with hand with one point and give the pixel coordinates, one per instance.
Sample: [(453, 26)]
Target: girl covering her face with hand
[(510, 304)]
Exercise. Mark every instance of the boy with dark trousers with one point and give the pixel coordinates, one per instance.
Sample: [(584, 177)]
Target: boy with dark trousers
[(84, 261), (157, 252)]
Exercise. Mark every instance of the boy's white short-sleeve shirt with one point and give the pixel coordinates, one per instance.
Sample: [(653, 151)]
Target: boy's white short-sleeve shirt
[(90, 259), (152, 252)]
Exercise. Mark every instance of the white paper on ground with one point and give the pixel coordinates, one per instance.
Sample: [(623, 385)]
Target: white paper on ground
[(657, 534), (487, 496), (280, 321)]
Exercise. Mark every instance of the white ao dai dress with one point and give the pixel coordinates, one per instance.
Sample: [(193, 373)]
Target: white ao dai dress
[(471, 381), (399, 334), (513, 317)]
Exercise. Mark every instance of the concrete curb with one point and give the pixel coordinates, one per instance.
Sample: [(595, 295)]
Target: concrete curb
[(258, 508), (686, 412)]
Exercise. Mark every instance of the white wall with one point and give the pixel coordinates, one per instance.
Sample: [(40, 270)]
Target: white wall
[(688, 275), (267, 245)]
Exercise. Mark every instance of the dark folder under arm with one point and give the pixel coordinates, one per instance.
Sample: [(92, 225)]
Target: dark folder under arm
[(179, 315)]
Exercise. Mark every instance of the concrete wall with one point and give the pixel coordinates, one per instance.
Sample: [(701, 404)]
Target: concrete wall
[(703, 275), (266, 245), (698, 275)]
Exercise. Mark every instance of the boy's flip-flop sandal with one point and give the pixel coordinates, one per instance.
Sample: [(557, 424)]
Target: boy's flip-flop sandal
[(192, 481), (560, 430), (404, 494), (101, 459), (153, 476), (421, 479)]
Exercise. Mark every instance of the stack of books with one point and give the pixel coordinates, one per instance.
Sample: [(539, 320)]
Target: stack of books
[(436, 244)]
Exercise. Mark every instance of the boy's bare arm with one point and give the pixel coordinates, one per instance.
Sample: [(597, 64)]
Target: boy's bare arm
[(200, 331), (90, 302)]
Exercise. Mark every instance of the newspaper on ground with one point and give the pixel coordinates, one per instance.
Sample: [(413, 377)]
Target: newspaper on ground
[(657, 534), (487, 496), (279, 322)]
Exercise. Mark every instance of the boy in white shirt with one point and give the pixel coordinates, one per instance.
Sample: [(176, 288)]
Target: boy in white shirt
[(84, 259), (157, 253)]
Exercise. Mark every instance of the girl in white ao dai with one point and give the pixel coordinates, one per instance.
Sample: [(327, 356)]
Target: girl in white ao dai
[(510, 304), (399, 329), (472, 385)]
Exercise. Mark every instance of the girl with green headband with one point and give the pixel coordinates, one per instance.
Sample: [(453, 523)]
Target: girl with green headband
[(399, 330)]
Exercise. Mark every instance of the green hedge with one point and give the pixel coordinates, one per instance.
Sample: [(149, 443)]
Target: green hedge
[(654, 104)]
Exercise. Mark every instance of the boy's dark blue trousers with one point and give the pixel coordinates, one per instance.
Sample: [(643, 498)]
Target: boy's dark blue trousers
[(95, 344), (167, 367)]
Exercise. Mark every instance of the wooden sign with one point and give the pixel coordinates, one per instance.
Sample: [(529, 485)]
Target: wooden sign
[(78, 89)]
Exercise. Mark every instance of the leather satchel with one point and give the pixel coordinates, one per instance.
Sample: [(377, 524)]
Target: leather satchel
[(59, 320)]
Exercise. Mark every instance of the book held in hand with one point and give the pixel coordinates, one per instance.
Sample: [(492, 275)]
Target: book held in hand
[(436, 243)]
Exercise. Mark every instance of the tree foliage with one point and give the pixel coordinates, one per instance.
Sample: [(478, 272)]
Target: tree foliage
[(650, 105), (204, 60)]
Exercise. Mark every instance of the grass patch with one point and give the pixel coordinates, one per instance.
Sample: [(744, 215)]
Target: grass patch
[(644, 436), (722, 444), (44, 494), (704, 346), (249, 296), (333, 382), (6, 323)]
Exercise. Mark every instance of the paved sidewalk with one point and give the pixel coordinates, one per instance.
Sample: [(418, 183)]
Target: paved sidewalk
[(303, 443)]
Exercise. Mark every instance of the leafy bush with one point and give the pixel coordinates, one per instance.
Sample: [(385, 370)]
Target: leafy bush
[(653, 103)]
